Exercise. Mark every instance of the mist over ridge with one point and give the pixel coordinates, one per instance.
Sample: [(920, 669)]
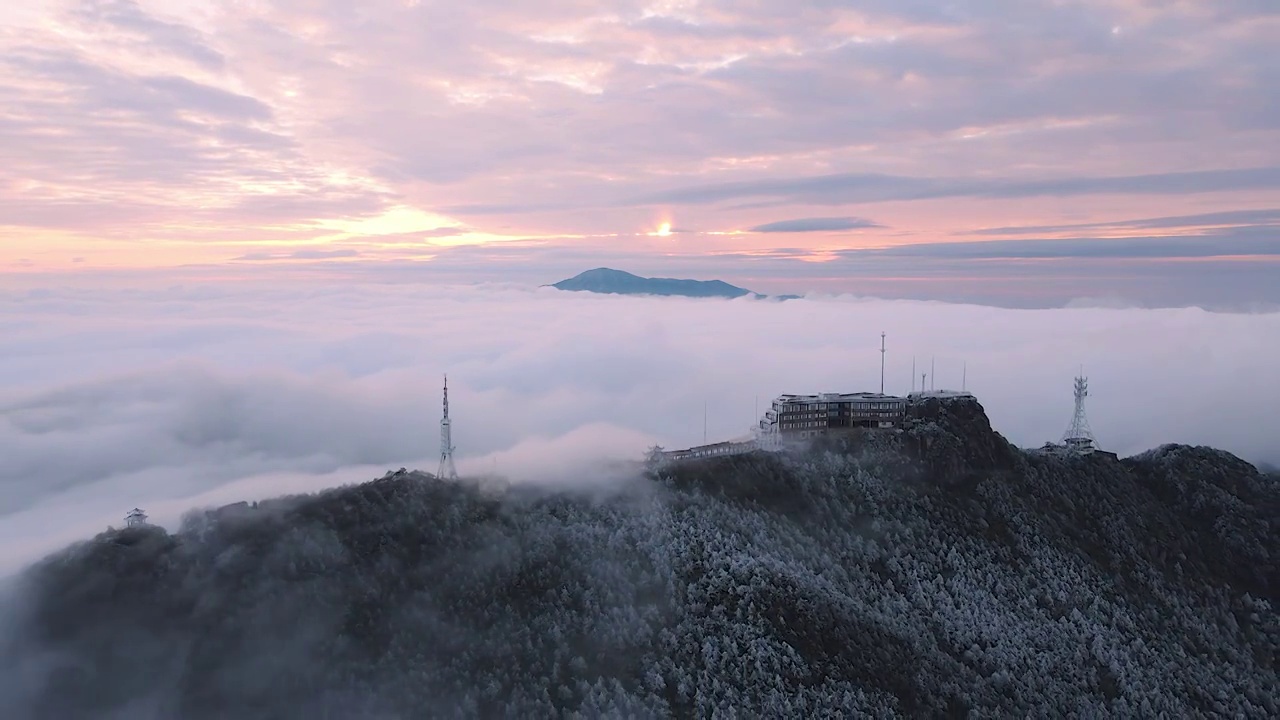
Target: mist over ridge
[(241, 390), (935, 571), (243, 245)]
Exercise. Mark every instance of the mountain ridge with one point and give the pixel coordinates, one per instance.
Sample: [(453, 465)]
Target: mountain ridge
[(934, 571), (608, 281)]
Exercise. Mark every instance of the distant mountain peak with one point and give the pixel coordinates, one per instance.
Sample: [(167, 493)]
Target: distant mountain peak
[(606, 273), (618, 282)]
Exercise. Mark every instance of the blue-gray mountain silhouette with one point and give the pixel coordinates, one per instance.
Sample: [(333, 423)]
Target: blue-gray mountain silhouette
[(616, 282)]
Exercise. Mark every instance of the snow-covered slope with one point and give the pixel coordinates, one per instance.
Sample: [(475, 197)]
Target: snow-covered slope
[(932, 572)]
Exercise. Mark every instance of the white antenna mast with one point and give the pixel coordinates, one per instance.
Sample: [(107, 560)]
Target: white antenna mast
[(964, 377), (881, 362), (446, 469)]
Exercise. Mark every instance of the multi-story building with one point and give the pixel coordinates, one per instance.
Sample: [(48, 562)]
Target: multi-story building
[(799, 417), (803, 416)]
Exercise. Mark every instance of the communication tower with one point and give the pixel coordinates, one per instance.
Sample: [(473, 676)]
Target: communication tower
[(1078, 436), (446, 470), (882, 362)]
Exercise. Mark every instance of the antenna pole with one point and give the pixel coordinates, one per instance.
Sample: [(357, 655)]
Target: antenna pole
[(446, 470), (881, 362), (964, 377)]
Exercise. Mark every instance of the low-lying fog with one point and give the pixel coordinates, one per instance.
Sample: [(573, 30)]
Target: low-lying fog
[(168, 398)]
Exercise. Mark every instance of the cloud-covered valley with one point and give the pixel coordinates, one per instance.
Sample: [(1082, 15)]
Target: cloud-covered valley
[(132, 394)]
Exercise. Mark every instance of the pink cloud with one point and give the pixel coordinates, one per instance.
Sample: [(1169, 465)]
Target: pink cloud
[(207, 128)]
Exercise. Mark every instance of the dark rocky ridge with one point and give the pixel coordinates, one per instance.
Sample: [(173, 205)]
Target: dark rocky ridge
[(936, 571)]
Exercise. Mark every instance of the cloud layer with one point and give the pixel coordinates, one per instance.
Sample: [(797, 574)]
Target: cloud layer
[(817, 224), (121, 394)]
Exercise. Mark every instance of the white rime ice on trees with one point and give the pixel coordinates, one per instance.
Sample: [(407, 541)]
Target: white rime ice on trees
[(850, 581)]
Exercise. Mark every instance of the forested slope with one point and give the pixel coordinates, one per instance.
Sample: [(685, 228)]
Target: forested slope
[(938, 571)]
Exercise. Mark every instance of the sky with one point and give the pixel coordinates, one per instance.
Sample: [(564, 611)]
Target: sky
[(199, 394), (1022, 153)]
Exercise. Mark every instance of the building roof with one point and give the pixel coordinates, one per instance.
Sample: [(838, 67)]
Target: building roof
[(941, 394), (837, 397)]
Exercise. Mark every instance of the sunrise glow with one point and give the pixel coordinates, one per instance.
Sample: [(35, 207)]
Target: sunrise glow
[(185, 136), (431, 358)]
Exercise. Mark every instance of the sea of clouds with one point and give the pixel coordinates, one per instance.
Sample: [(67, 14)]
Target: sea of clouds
[(121, 395)]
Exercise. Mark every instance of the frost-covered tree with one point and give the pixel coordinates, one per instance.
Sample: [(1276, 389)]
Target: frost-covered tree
[(936, 571)]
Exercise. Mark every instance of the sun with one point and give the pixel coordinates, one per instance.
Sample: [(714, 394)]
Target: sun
[(664, 229)]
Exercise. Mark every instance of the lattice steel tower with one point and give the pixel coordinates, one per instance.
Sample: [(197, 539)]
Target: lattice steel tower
[(446, 470), (1078, 435)]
